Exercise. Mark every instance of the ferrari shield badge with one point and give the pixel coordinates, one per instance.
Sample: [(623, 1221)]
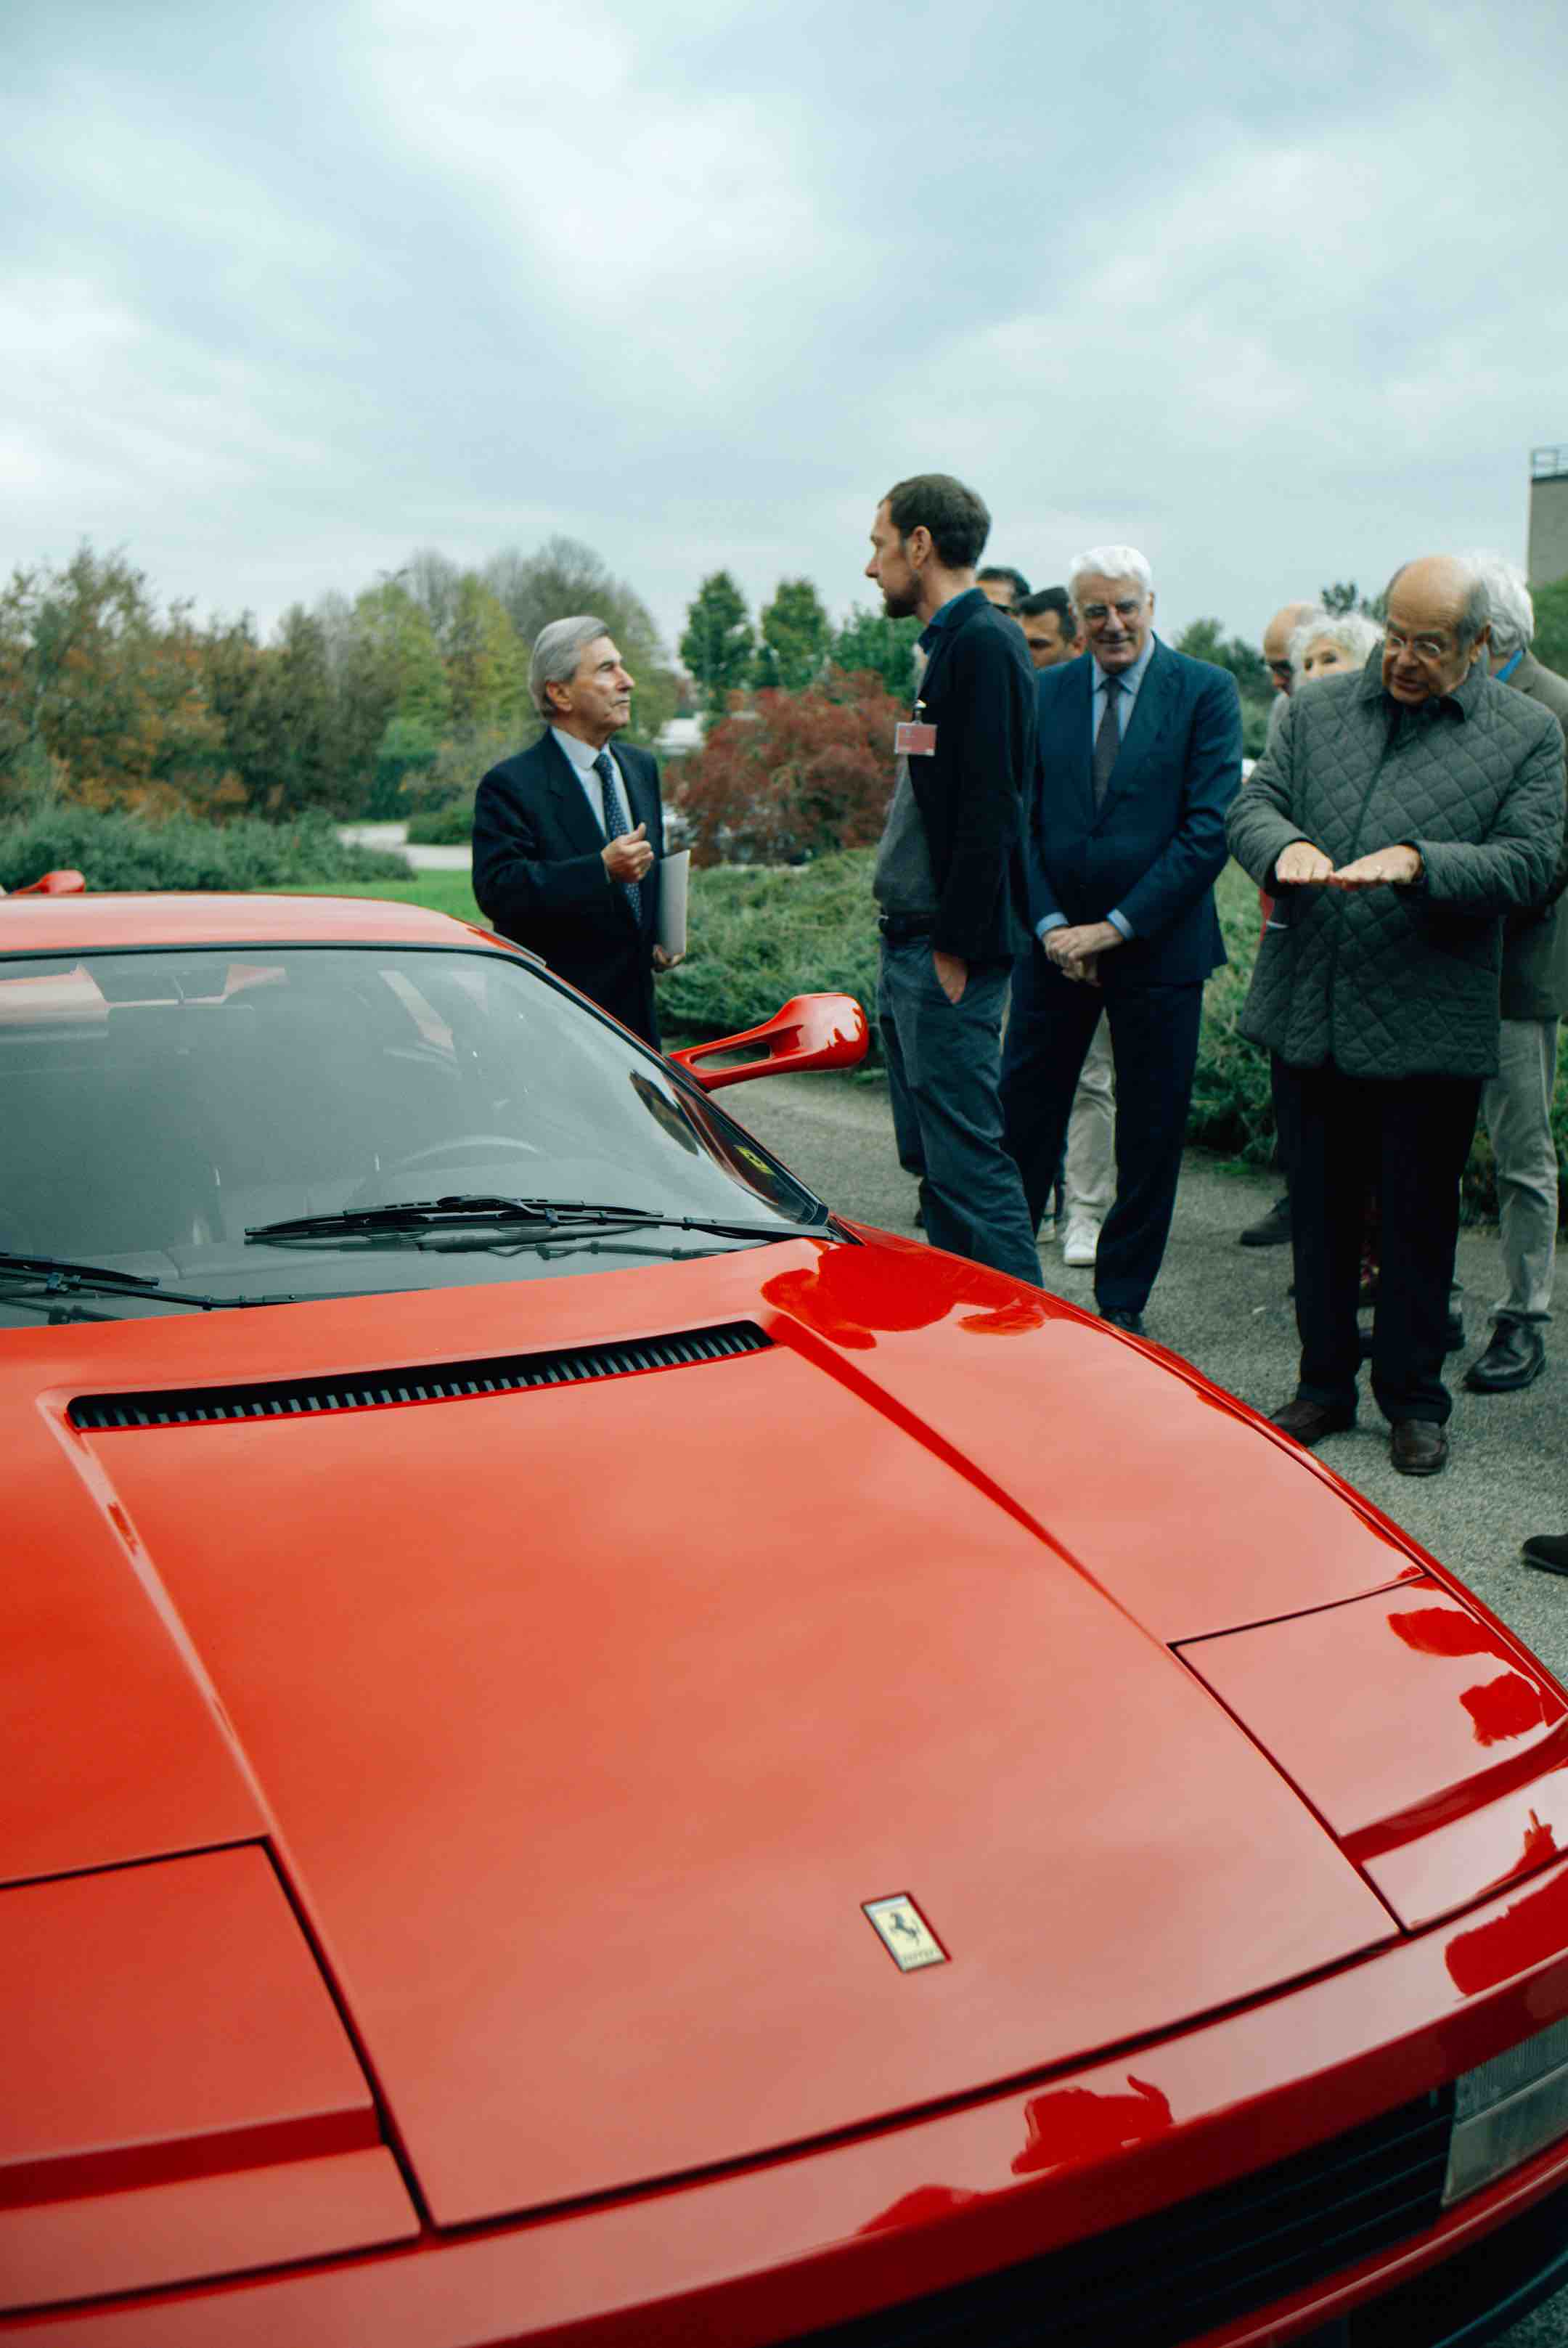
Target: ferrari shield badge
[(905, 1933)]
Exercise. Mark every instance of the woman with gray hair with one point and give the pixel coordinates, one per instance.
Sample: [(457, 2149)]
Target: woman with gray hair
[(1331, 642)]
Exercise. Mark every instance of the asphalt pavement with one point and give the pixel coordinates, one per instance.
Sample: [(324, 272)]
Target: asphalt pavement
[(1225, 1309)]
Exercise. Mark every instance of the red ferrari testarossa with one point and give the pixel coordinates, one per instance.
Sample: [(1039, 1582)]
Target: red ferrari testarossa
[(594, 1755)]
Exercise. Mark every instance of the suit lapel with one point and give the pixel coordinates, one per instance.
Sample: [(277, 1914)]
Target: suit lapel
[(1083, 707), (569, 802)]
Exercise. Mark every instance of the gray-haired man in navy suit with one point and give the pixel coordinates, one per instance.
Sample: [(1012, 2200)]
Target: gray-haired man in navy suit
[(567, 835), (1139, 759)]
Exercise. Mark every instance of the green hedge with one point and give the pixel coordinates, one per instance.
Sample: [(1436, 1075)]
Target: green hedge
[(444, 827), (114, 850), (760, 933)]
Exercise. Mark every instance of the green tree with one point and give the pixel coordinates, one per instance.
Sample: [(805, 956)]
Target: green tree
[(485, 665), (795, 632), (868, 640), (96, 688), (718, 642), (404, 757), (1550, 645), (1344, 596), (1203, 640), (298, 714), (390, 615)]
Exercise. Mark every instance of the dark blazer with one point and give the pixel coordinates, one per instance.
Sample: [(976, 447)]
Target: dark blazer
[(972, 792), (539, 876), (1157, 844)]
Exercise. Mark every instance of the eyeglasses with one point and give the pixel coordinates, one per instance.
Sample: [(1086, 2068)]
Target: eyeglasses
[(1096, 613), (1424, 647)]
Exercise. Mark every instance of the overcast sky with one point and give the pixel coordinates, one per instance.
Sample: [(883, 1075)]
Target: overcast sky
[(1277, 294)]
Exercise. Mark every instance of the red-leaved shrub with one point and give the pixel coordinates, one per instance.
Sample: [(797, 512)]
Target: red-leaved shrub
[(796, 774)]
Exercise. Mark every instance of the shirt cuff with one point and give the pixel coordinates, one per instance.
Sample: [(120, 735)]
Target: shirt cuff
[(1119, 921), (1050, 922)]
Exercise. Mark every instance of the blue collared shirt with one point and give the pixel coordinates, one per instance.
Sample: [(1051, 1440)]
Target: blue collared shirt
[(1131, 679)]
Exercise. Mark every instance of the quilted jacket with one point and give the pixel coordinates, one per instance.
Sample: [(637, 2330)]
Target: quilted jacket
[(1397, 982)]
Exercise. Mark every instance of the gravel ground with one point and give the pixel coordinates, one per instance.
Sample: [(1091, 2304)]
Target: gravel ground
[(1225, 1309)]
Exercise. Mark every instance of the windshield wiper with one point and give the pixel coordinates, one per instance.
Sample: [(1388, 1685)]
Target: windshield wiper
[(522, 1219), (59, 1276), (63, 1271)]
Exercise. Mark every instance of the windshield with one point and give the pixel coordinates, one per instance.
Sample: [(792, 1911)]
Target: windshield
[(161, 1105)]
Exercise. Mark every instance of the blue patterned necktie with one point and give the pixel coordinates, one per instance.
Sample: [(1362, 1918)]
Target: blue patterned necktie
[(616, 824)]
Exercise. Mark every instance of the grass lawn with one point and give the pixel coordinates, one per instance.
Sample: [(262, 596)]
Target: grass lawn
[(440, 892)]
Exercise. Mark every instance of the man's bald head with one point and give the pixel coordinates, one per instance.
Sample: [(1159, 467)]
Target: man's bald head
[(1437, 625), (1276, 641)]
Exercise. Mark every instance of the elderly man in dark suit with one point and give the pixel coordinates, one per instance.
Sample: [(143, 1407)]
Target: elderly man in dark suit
[(1140, 757), (567, 835)]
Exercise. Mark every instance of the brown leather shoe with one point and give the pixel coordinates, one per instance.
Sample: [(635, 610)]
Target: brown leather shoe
[(1417, 1446), (1309, 1422)]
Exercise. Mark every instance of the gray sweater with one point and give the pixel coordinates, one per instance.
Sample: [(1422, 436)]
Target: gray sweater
[(1397, 982)]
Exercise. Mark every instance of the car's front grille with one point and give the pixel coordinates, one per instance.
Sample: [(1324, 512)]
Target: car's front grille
[(440, 1382), (1169, 2278)]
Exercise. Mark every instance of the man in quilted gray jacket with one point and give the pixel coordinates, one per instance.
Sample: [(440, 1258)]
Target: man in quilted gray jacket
[(1396, 818)]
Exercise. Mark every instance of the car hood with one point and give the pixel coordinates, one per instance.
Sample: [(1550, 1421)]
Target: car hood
[(587, 1717)]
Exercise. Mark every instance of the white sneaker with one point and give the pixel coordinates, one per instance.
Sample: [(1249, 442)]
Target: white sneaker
[(1082, 1243)]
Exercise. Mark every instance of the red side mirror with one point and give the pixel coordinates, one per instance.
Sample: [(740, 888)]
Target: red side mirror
[(66, 884), (812, 1031)]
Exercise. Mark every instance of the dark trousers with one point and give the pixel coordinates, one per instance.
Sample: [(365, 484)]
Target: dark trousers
[(1154, 1038), (1286, 1138), (943, 1061), (1404, 1142)]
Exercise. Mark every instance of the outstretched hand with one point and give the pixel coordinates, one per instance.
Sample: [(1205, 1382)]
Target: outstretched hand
[(1302, 866), (1383, 867)]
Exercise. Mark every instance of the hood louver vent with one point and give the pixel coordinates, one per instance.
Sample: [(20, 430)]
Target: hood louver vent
[(441, 1382)]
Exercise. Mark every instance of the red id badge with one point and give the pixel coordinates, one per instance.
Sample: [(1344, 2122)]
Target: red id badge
[(911, 739)]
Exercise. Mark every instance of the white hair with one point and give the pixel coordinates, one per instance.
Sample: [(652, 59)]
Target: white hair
[(558, 653), (1353, 631), (1109, 562), (1508, 602)]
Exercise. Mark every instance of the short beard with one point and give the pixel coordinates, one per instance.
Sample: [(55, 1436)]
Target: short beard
[(903, 607)]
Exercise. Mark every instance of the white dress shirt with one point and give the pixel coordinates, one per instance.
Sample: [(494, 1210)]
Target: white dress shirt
[(582, 756)]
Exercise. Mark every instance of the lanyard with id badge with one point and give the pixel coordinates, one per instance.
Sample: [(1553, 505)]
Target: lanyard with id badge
[(915, 736)]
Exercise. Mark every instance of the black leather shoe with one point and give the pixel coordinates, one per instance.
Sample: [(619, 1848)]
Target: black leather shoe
[(1272, 1230), (1309, 1422), (1417, 1446), (1122, 1317), (1516, 1357), (1548, 1550)]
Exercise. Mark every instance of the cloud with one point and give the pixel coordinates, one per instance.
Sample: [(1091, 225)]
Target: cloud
[(284, 297)]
